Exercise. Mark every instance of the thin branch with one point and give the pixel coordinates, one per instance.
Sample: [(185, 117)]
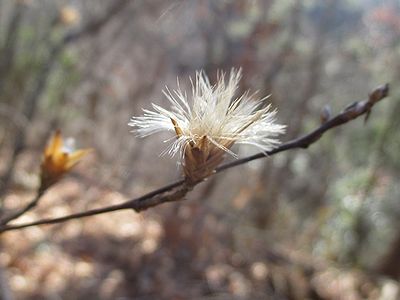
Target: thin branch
[(96, 25), (16, 214), (40, 84), (8, 50), (177, 190), (139, 202), (280, 60)]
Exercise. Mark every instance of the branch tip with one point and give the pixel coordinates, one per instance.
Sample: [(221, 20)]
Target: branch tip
[(177, 190)]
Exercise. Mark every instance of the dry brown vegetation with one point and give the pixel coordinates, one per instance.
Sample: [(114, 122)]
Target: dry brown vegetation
[(315, 223)]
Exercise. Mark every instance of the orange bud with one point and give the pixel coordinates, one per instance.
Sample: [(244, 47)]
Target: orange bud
[(69, 15), (57, 160)]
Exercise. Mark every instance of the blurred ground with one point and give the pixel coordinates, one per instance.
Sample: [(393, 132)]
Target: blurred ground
[(191, 252)]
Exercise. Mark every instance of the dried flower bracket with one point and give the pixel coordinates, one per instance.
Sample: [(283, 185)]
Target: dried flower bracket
[(58, 159), (177, 190), (208, 123)]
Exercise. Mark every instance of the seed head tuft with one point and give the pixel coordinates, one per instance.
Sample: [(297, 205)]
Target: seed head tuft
[(209, 122)]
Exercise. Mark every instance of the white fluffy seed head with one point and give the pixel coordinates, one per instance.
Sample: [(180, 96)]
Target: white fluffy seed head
[(209, 122)]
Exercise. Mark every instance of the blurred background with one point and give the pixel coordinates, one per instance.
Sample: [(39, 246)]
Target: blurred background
[(321, 223)]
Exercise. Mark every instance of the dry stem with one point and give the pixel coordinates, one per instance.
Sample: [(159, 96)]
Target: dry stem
[(177, 190)]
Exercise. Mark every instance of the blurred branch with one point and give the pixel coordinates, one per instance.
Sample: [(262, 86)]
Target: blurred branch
[(39, 86), (177, 190), (361, 228), (315, 74), (279, 61), (8, 49), (32, 204), (95, 26), (273, 175)]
